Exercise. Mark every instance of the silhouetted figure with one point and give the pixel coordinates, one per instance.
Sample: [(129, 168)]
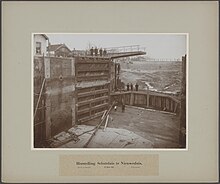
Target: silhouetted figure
[(91, 51), (136, 86), (104, 52), (131, 87), (119, 67), (96, 51), (123, 107), (127, 87), (100, 52)]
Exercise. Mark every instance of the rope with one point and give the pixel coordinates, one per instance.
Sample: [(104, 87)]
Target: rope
[(39, 97)]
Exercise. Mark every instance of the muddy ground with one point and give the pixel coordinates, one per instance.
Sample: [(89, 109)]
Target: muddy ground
[(160, 128), (162, 76)]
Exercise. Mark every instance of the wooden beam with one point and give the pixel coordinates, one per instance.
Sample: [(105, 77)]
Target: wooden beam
[(100, 91), (92, 108), (82, 120), (92, 78), (92, 69), (92, 100), (106, 122)]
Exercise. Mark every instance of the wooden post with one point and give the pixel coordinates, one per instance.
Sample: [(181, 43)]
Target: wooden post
[(73, 110), (132, 99), (47, 99), (48, 118), (167, 103), (148, 97), (106, 122), (90, 109), (172, 102), (175, 108), (182, 135), (159, 101), (73, 105)]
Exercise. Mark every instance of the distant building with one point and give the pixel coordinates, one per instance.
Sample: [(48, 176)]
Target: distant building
[(40, 44), (58, 50), (78, 53)]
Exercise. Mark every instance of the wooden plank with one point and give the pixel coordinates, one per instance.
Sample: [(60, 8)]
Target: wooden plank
[(41, 90), (106, 122), (103, 114), (82, 120), (92, 70), (93, 62), (92, 100), (92, 108), (80, 112), (99, 106), (100, 91), (91, 78)]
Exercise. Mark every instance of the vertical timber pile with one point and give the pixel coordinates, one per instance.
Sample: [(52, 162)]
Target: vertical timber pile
[(147, 99), (93, 81), (182, 135)]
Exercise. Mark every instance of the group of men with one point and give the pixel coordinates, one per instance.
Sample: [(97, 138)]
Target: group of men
[(97, 52), (130, 86)]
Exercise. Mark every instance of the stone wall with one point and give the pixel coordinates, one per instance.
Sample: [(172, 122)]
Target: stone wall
[(58, 93)]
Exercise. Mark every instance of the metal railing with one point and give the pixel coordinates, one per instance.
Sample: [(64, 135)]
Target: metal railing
[(163, 59), (121, 49), (110, 50)]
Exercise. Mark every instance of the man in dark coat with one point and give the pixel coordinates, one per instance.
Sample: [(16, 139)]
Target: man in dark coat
[(91, 51), (96, 51), (119, 67), (131, 87), (100, 52), (127, 87), (136, 86)]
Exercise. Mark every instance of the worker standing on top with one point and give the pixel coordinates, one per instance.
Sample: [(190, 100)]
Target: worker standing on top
[(136, 86), (128, 87), (100, 51), (119, 67), (96, 51), (91, 51), (131, 87), (123, 107)]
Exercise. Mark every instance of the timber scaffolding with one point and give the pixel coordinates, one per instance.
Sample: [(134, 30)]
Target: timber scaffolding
[(96, 79), (147, 99)]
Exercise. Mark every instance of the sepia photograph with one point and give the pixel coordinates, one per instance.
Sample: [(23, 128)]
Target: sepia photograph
[(124, 91), (110, 91)]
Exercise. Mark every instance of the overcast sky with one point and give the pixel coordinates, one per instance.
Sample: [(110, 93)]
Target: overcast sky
[(166, 46)]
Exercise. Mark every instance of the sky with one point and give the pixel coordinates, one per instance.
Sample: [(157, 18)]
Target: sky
[(160, 46)]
